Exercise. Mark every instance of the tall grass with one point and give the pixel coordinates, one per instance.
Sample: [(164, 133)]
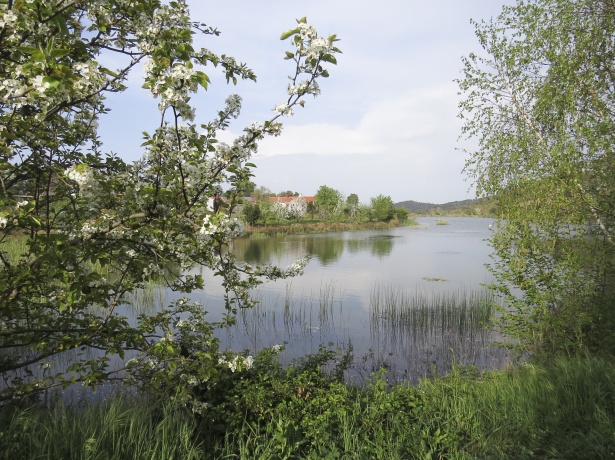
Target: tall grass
[(562, 410), (118, 429)]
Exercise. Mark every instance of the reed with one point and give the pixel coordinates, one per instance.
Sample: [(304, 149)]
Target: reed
[(421, 313)]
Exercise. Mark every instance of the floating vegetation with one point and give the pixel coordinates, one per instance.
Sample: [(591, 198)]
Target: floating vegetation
[(436, 280), (441, 222)]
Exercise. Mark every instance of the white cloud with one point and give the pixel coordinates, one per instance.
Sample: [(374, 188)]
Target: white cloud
[(386, 121)]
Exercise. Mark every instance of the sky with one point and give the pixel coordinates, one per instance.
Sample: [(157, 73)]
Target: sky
[(387, 119)]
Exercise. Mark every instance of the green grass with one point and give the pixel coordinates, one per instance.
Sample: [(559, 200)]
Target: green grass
[(118, 429), (564, 409)]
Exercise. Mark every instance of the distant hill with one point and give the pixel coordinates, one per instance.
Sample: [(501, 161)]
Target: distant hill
[(478, 207)]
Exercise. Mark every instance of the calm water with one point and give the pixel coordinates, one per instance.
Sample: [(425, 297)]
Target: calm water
[(394, 298), (338, 302)]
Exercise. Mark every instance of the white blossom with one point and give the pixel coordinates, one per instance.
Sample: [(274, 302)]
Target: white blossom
[(8, 19), (39, 85), (283, 109)]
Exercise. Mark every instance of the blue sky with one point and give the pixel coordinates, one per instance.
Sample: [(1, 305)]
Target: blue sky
[(386, 121)]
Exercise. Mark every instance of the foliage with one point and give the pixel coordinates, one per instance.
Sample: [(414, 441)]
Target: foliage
[(97, 228), (541, 105), (564, 410), (251, 213), (328, 199), (401, 214), (352, 205), (383, 208), (288, 193)]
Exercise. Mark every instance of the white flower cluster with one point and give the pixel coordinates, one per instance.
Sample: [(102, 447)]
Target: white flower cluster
[(185, 325), (8, 19), (222, 226), (299, 89), (295, 209), (283, 109), (238, 362), (317, 47), (39, 85), (82, 174), (306, 31), (311, 46)]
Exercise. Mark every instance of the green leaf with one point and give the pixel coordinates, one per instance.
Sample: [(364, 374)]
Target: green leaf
[(53, 81), (329, 58), (59, 52), (288, 33), (38, 56), (202, 79)]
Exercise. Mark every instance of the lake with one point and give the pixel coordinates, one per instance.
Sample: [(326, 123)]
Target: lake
[(409, 299)]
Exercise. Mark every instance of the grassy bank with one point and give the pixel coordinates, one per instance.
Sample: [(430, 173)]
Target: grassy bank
[(562, 410), (311, 227)]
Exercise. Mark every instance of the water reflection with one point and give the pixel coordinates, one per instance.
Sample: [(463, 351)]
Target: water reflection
[(416, 325), (326, 249), (435, 272)]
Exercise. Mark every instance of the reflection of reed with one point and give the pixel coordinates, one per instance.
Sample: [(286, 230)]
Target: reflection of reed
[(409, 334), (292, 319)]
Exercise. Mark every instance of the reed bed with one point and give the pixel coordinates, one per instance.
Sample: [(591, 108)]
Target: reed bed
[(419, 313), (411, 334)]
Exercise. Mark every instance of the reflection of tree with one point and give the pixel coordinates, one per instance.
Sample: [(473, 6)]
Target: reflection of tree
[(354, 246), (253, 252), (326, 250), (378, 245), (381, 245)]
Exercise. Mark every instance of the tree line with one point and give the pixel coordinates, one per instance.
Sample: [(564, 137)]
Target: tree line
[(329, 205)]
